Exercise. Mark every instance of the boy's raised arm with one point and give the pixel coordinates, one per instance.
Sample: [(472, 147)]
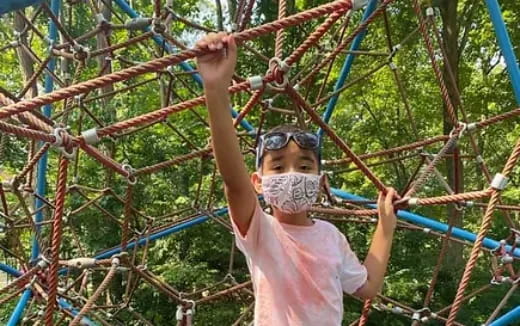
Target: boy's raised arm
[(217, 69)]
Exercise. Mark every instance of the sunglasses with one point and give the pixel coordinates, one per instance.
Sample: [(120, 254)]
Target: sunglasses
[(277, 140)]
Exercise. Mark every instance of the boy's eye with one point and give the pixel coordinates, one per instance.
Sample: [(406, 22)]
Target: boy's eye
[(277, 167), (305, 167)]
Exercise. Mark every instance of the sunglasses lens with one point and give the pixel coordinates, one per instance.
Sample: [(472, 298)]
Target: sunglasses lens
[(275, 141), (307, 140)]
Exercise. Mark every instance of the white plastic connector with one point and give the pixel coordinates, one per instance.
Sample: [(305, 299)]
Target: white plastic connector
[(179, 314), (416, 316), (100, 18), (479, 159), (256, 83), (131, 171), (392, 66), (413, 201), (59, 140), (281, 64), (470, 203), (499, 181), (471, 126), (91, 137), (397, 310), (358, 4), (430, 12), (42, 264), (424, 319), (507, 259), (427, 230), (82, 262)]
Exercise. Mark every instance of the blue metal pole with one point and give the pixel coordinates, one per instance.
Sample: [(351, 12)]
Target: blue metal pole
[(64, 304), (10, 270), (162, 234), (505, 46), (184, 66), (347, 65), (20, 307), (508, 319), (42, 169), (67, 306), (432, 224), (12, 5), (41, 179)]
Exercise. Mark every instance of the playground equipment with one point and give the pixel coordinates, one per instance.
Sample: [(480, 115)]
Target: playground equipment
[(45, 273)]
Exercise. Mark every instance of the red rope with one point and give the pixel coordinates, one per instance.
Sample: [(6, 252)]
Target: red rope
[(486, 224), (61, 189), (335, 138), (162, 63)]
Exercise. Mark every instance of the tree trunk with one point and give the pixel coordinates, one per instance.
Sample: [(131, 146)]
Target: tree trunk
[(25, 61), (450, 33), (105, 67)]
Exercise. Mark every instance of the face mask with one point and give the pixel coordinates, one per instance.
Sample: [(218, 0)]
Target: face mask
[(291, 192)]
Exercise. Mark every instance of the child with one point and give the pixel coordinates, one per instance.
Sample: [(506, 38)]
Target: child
[(299, 266)]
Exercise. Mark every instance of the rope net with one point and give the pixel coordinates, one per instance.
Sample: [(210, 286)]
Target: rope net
[(102, 117)]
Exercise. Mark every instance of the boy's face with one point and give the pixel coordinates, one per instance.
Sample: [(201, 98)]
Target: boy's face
[(291, 158)]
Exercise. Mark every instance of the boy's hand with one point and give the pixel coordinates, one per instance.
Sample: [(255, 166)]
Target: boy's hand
[(217, 67), (385, 206)]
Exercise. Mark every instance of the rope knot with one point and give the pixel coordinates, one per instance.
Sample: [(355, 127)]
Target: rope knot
[(64, 142), (278, 69)]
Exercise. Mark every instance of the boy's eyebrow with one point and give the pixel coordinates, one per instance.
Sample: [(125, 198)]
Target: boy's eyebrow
[(307, 158), (276, 158)]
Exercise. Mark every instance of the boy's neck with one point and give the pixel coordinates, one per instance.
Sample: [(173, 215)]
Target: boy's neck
[(293, 219)]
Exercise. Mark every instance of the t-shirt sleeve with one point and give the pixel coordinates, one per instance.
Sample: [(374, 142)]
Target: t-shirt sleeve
[(248, 244), (353, 273)]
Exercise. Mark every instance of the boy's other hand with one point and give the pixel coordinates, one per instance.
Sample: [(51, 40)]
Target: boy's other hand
[(385, 206), (218, 66)]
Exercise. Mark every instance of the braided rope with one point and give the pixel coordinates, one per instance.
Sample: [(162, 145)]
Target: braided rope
[(127, 214), (61, 189), (486, 224), (364, 314), (161, 63), (30, 165), (335, 138), (280, 34), (88, 305), (314, 37), (341, 47), (438, 74)]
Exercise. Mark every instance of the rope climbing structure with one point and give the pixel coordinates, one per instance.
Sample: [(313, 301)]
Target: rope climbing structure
[(66, 118)]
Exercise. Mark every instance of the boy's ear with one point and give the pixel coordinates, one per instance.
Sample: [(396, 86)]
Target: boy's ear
[(256, 180)]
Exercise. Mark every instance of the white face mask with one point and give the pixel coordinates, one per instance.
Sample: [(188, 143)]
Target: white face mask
[(291, 192)]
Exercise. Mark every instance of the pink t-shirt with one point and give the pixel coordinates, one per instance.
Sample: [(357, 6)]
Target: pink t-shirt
[(299, 273)]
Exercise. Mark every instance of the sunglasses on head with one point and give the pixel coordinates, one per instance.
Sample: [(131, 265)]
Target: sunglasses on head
[(277, 140)]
